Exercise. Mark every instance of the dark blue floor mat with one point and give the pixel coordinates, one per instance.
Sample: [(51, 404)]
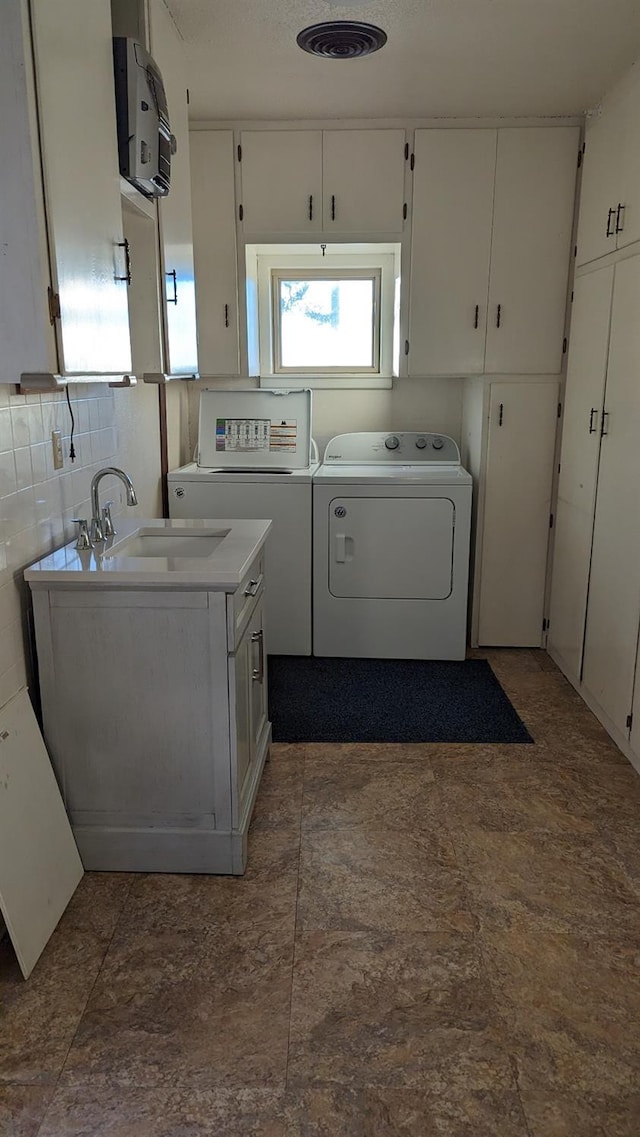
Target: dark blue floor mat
[(389, 700)]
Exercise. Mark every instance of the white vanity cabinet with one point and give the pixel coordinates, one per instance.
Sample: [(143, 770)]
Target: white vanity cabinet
[(63, 292), (154, 705)]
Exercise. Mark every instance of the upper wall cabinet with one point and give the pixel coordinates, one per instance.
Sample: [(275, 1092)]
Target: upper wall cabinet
[(451, 250), (492, 219), (332, 181), (214, 231), (176, 236), (610, 195), (77, 285)]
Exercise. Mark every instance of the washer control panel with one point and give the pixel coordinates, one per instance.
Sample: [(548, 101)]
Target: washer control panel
[(407, 447)]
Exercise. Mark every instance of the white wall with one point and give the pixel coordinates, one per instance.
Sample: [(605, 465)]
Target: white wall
[(411, 404), (113, 427)]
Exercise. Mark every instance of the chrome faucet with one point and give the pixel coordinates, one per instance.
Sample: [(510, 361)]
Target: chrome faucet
[(102, 526)]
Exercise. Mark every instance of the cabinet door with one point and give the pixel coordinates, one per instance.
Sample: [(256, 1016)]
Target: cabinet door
[(515, 537), (532, 223), (628, 217), (614, 589), (214, 244), (281, 174), (76, 107), (583, 404), (363, 180), (450, 250), (176, 235), (242, 686), (601, 183)]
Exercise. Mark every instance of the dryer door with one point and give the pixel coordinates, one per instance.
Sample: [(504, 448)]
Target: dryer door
[(391, 548)]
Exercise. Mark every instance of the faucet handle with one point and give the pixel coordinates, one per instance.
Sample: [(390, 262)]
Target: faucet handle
[(96, 533), (83, 540), (108, 528)]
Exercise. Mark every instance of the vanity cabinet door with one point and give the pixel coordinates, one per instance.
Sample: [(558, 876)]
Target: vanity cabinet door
[(258, 672)]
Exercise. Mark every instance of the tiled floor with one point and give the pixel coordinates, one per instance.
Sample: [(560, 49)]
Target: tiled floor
[(430, 941)]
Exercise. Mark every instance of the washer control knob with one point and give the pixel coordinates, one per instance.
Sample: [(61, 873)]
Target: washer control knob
[(392, 442), (438, 444), (421, 443)]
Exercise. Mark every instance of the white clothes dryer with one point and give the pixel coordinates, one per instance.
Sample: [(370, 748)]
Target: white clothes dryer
[(392, 520), (254, 462)]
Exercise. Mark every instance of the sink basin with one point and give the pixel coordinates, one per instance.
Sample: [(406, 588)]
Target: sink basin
[(168, 543)]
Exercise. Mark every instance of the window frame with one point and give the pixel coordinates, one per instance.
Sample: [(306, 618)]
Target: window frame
[(279, 274), (302, 260)]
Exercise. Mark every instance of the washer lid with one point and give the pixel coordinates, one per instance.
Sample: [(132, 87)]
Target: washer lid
[(254, 429), (220, 476)]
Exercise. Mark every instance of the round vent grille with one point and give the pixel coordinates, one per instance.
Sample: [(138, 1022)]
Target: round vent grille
[(341, 39)]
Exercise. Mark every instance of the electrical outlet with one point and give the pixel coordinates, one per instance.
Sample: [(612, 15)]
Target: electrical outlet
[(56, 446)]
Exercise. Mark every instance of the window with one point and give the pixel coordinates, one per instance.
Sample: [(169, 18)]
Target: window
[(327, 319), (326, 322)]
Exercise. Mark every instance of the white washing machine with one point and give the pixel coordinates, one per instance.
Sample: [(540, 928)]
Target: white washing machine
[(253, 462), (392, 519)]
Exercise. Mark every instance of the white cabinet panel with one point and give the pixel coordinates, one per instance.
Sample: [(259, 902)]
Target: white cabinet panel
[(584, 393), (74, 66), (600, 188), (628, 220), (522, 429), (176, 235), (533, 216), (451, 249), (363, 180), (583, 405), (281, 181), (214, 245), (614, 590)]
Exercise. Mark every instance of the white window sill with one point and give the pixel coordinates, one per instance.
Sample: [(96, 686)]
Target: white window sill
[(328, 382)]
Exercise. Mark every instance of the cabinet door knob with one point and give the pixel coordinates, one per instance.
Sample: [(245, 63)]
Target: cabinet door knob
[(610, 231), (498, 315), (605, 422), (226, 315), (333, 208), (127, 261), (475, 322), (501, 414), (173, 299), (592, 420), (310, 207)]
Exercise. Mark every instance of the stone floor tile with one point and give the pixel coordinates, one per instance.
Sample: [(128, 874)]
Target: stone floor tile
[(546, 882), (340, 1111), (98, 902), (571, 1007), (165, 1112), (22, 1109), (39, 1018), (400, 795), (399, 1010), (386, 752), (383, 880), (550, 1113), (279, 799)]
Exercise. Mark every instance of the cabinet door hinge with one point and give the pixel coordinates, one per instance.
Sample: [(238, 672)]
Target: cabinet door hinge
[(629, 722), (572, 296), (579, 158), (564, 346), (404, 212), (241, 212), (545, 625), (239, 153), (53, 299), (413, 162), (551, 521), (406, 151), (559, 409), (575, 250), (406, 347)]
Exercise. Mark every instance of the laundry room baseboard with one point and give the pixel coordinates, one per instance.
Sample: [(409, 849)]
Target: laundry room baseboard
[(389, 700)]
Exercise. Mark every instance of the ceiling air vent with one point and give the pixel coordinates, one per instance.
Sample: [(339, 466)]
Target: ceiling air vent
[(341, 39)]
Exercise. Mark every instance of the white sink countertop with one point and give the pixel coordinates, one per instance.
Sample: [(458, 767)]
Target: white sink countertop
[(221, 562)]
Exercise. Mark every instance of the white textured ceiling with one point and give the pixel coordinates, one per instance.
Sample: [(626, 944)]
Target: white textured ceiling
[(443, 57)]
